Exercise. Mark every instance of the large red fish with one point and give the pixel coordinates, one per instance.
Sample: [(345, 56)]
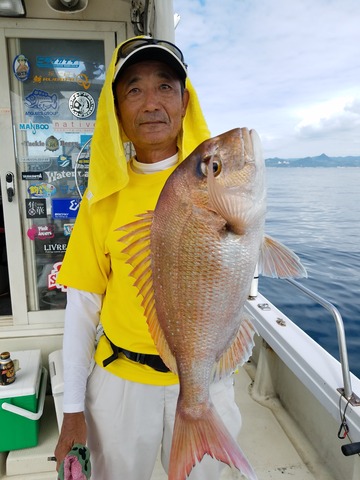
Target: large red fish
[(194, 258)]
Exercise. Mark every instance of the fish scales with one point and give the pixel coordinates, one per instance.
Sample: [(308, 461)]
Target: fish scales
[(206, 237), (209, 267)]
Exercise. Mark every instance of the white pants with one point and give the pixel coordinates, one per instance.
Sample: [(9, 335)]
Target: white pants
[(128, 422)]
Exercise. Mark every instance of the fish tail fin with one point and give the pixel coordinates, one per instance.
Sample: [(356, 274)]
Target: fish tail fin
[(207, 434)]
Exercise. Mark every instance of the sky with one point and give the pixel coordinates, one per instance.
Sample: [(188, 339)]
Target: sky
[(290, 69)]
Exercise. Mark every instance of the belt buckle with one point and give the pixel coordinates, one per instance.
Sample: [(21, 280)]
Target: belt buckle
[(140, 358)]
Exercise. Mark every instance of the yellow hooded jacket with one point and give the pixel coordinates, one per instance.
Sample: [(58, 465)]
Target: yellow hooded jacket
[(115, 195)]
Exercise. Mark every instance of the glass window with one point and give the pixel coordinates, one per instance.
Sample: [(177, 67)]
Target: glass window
[(55, 87)]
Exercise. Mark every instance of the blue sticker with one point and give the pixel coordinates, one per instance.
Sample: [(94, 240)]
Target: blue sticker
[(57, 62), (65, 207), (21, 68), (40, 102), (84, 139), (64, 161)]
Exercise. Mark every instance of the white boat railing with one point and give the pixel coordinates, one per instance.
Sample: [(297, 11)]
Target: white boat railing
[(347, 390), (314, 367), (351, 397)]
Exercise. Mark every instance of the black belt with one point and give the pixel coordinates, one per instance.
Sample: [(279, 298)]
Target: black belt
[(153, 361)]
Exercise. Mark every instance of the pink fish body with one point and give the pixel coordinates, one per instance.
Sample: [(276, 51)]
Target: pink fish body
[(202, 244)]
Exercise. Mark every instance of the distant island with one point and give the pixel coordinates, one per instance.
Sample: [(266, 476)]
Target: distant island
[(316, 162)]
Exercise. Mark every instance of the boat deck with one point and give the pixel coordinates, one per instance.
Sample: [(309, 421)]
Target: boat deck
[(264, 439), (264, 442)]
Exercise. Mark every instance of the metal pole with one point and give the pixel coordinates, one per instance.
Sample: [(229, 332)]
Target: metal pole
[(340, 334), (164, 20)]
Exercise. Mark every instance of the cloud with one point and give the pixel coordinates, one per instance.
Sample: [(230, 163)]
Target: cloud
[(353, 107), (331, 118), (266, 64)]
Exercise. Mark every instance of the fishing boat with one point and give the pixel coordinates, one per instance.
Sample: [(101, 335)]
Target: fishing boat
[(300, 406)]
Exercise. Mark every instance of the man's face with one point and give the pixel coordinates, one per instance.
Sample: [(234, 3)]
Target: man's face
[(151, 106)]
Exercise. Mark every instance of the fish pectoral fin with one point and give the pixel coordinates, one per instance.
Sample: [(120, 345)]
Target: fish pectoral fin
[(239, 352), (137, 246), (228, 204), (278, 261)]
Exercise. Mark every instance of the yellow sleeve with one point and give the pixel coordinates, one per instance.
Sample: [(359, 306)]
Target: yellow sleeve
[(86, 263)]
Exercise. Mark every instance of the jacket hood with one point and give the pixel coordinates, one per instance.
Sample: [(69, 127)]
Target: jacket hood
[(108, 164)]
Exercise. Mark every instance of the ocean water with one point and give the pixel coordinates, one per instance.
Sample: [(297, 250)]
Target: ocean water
[(316, 212)]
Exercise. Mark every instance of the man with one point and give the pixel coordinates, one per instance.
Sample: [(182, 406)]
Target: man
[(125, 409)]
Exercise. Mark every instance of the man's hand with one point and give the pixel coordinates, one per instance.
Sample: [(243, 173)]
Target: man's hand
[(73, 431)]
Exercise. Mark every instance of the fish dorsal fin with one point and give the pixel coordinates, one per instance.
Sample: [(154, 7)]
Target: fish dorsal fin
[(137, 240), (278, 261), (239, 352)]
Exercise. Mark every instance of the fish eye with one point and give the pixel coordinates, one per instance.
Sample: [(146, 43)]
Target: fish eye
[(216, 165)]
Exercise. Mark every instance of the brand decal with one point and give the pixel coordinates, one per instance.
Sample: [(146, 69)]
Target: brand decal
[(41, 103), (57, 62), (64, 161), (32, 175), (52, 277), (33, 127), (53, 247), (73, 126), (35, 208), (68, 228), (36, 164), (65, 207), (83, 160), (53, 176), (41, 190), (81, 79), (21, 67), (65, 180), (41, 232), (82, 104), (52, 144)]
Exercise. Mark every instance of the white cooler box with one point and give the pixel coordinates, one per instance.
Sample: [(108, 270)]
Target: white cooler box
[(22, 402), (56, 370)]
